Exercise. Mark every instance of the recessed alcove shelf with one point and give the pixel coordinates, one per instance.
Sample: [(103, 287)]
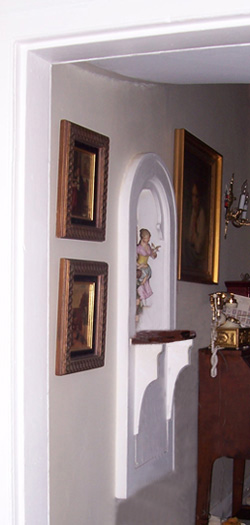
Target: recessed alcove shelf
[(150, 351)]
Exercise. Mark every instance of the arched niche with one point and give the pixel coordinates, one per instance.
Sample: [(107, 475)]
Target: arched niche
[(146, 201)]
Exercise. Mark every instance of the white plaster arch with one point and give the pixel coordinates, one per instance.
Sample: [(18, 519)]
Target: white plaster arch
[(145, 172)]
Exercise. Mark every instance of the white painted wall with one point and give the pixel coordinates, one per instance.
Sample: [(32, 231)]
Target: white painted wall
[(38, 25), (82, 406)]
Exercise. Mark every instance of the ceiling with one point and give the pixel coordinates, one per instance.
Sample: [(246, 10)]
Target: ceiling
[(190, 66), (215, 56), (217, 52)]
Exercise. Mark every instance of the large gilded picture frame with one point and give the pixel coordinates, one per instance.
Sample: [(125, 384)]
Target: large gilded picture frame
[(197, 184), (81, 322), (82, 183)]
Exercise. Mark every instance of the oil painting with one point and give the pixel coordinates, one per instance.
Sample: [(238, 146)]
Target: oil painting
[(82, 183), (197, 182), (81, 322)]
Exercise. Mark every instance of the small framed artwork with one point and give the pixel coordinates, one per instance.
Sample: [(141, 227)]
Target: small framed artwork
[(197, 183), (81, 323), (82, 183)]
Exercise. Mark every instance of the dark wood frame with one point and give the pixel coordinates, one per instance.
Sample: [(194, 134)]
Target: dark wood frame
[(68, 358), (196, 164), (74, 141)]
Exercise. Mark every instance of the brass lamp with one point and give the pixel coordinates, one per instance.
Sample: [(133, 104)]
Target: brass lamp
[(238, 216), (218, 301)]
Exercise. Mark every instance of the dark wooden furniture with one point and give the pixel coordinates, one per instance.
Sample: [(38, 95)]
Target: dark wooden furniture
[(238, 287), (146, 337), (223, 425)]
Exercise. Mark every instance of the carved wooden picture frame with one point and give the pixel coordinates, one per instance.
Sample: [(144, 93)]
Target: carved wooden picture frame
[(81, 324), (82, 183)]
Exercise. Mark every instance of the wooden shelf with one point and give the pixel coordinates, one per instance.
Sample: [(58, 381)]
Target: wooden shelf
[(161, 336)]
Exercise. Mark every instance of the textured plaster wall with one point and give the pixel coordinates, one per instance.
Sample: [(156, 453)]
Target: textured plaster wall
[(137, 118)]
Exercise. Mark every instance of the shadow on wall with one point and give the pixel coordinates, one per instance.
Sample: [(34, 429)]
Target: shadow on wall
[(172, 500)]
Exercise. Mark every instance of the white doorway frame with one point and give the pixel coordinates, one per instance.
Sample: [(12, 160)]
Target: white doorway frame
[(34, 60)]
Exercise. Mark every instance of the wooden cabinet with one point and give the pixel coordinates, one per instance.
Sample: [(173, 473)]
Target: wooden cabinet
[(223, 425)]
